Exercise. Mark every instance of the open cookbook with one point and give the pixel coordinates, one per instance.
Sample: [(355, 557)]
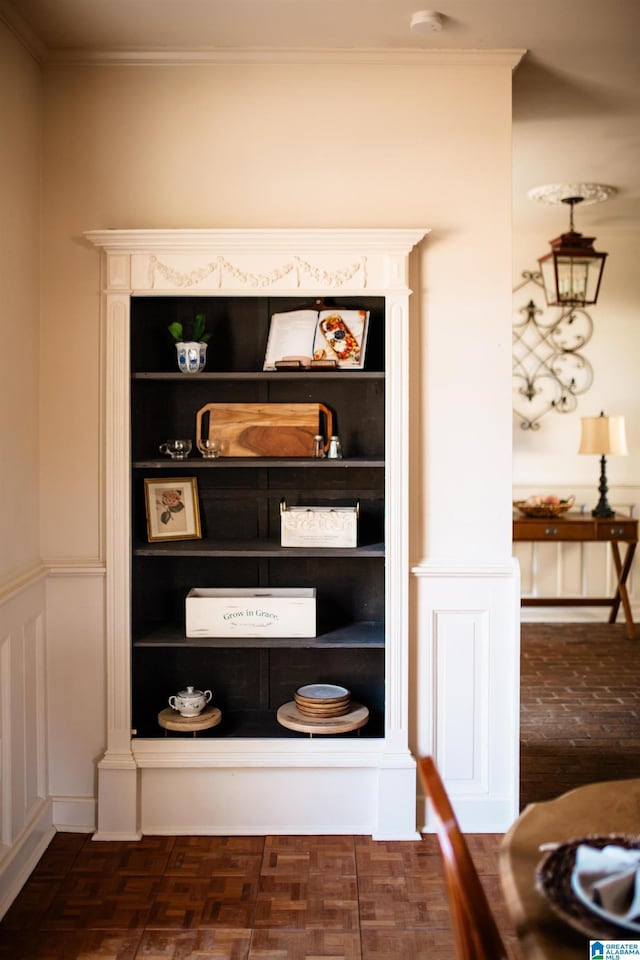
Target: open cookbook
[(324, 337)]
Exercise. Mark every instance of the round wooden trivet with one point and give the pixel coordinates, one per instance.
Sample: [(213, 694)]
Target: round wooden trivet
[(289, 716), (170, 719)]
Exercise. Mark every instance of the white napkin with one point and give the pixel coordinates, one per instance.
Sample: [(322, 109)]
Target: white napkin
[(608, 881)]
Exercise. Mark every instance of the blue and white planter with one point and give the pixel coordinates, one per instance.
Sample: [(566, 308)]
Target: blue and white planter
[(192, 356)]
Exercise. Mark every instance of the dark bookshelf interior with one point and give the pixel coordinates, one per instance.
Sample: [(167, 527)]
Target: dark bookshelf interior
[(239, 502)]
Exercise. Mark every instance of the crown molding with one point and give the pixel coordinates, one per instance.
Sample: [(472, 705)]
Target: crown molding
[(305, 56), (20, 29), (265, 240), (239, 56)]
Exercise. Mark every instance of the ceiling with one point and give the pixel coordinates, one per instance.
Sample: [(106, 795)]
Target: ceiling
[(576, 92)]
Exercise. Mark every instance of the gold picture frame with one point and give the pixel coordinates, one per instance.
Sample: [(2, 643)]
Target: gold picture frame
[(172, 508)]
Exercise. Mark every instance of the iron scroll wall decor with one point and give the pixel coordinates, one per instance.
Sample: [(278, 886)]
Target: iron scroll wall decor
[(549, 371)]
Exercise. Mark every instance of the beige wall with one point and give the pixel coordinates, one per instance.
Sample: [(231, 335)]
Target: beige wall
[(548, 456), (293, 145), (546, 460), (20, 168), (252, 146)]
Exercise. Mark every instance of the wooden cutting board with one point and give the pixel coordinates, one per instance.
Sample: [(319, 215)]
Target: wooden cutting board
[(265, 429)]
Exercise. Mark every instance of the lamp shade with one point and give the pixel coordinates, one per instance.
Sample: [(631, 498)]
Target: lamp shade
[(603, 436)]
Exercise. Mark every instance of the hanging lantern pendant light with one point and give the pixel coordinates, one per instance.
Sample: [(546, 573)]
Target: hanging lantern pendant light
[(572, 271)]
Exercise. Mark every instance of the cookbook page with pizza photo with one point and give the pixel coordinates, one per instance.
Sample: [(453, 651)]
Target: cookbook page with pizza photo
[(341, 335), (332, 336)]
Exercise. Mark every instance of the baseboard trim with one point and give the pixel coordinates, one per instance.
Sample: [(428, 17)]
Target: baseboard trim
[(473, 814), (74, 814), (23, 855)]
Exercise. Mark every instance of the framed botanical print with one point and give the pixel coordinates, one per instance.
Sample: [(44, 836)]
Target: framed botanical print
[(172, 508)]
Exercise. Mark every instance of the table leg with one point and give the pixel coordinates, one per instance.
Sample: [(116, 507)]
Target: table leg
[(621, 595)]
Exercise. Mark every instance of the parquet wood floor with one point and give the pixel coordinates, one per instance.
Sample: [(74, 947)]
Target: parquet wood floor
[(239, 898), (325, 898)]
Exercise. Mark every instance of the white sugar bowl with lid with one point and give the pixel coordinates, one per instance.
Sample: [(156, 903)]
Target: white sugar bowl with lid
[(190, 702)]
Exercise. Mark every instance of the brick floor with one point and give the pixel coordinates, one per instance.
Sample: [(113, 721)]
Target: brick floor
[(580, 707)]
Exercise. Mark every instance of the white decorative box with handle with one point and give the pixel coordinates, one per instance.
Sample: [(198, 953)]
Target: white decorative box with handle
[(318, 526)]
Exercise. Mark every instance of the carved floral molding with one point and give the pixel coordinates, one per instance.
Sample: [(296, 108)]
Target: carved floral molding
[(216, 269)]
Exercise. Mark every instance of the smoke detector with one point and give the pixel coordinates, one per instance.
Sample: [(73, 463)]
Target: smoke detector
[(427, 21)]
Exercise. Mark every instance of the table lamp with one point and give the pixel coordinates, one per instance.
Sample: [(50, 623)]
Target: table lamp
[(604, 436)]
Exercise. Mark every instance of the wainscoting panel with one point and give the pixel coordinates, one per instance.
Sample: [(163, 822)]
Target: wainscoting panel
[(76, 685), (466, 688), (25, 812), (52, 711), (461, 717)]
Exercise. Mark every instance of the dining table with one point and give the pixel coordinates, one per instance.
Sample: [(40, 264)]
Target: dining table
[(544, 929)]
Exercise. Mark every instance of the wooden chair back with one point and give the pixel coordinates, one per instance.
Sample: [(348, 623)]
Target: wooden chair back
[(475, 930)]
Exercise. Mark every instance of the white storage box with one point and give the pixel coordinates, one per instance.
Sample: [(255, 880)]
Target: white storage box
[(242, 612), (318, 526)]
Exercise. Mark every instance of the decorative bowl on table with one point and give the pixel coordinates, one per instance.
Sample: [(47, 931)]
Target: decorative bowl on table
[(549, 506), (555, 880)]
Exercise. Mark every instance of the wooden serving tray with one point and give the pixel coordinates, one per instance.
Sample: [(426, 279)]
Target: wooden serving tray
[(289, 716), (171, 720), (265, 429)]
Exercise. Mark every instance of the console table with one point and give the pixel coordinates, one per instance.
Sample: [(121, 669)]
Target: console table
[(613, 530)]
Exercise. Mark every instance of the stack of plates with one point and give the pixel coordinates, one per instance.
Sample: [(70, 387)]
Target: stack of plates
[(323, 700)]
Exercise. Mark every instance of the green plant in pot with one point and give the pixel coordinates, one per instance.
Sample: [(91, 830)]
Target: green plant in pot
[(191, 343)]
